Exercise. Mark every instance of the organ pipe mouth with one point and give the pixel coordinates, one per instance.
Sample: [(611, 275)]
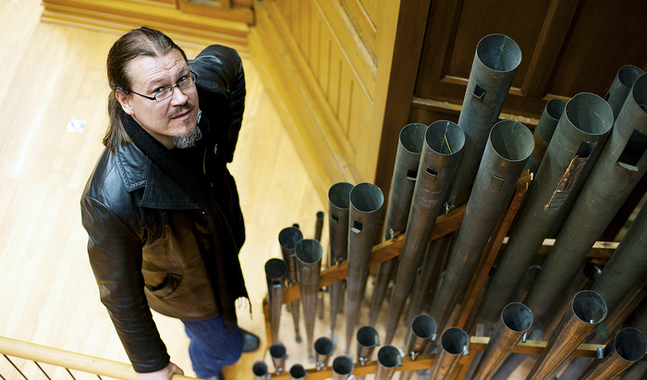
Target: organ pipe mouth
[(366, 197), (389, 357), (445, 137), (289, 237), (276, 268), (338, 195), (343, 365), (411, 137), (499, 53), (517, 317), (589, 307), (630, 344), (308, 251), (512, 140), (589, 113), (455, 341)]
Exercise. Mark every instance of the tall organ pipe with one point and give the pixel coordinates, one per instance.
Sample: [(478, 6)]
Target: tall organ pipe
[(338, 206), (366, 202), (509, 146), (495, 63), (570, 155), (514, 322), (627, 263), (627, 347), (367, 340), (275, 272), (622, 272), (388, 360), (586, 311), (621, 86), (453, 344), (544, 132), (441, 154), (288, 239), (308, 253), (403, 181), (423, 331), (621, 165)]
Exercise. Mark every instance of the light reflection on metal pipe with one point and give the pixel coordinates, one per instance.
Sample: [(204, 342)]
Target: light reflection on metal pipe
[(441, 154), (366, 202), (388, 360), (495, 63), (342, 367), (407, 159), (338, 206), (621, 165), (308, 253), (453, 345), (621, 86), (627, 347), (275, 273), (288, 239), (586, 311), (544, 132), (570, 156), (509, 146), (514, 322)]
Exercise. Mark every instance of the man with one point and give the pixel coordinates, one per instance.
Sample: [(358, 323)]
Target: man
[(161, 208)]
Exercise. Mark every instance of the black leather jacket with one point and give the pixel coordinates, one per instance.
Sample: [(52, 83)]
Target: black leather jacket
[(146, 234)]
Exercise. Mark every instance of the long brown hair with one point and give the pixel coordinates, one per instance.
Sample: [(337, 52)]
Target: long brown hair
[(138, 42)]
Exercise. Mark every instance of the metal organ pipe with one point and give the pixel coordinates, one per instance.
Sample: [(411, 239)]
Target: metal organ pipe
[(423, 332), (308, 253), (453, 345), (366, 202), (275, 273), (509, 146), (544, 132), (621, 86), (514, 322), (288, 239), (627, 347), (621, 165), (570, 155), (495, 63), (342, 367), (586, 311), (388, 359), (338, 210), (441, 154), (403, 181)]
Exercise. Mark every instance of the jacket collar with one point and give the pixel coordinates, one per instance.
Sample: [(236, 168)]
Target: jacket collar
[(138, 171)]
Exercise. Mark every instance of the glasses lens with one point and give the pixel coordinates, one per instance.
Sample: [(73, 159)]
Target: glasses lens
[(165, 93), (188, 82)]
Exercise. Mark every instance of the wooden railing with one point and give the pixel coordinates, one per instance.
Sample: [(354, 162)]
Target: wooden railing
[(12, 348)]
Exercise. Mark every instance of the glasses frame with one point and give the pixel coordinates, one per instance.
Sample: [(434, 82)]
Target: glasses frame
[(193, 75)]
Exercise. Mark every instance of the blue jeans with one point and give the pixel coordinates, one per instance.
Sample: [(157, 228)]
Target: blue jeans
[(213, 345)]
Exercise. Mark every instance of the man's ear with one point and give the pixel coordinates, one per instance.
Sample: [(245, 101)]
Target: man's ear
[(124, 99)]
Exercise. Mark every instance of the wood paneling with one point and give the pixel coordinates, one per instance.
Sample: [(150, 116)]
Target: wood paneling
[(195, 24)]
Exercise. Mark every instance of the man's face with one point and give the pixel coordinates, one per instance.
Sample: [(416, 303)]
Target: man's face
[(175, 116)]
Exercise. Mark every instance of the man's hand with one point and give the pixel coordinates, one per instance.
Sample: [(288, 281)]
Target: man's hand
[(165, 373)]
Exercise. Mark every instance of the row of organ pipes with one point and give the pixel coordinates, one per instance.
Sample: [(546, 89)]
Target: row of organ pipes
[(586, 156)]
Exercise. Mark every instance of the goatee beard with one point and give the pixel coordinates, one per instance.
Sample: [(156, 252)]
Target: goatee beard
[(188, 140)]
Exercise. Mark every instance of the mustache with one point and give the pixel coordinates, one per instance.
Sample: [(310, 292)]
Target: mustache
[(179, 111)]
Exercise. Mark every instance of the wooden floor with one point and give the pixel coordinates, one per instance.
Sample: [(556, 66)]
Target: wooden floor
[(50, 75)]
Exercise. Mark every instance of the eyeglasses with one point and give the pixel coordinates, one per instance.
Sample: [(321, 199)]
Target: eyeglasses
[(166, 92)]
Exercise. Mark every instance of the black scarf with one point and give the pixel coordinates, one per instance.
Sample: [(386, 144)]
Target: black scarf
[(223, 266)]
